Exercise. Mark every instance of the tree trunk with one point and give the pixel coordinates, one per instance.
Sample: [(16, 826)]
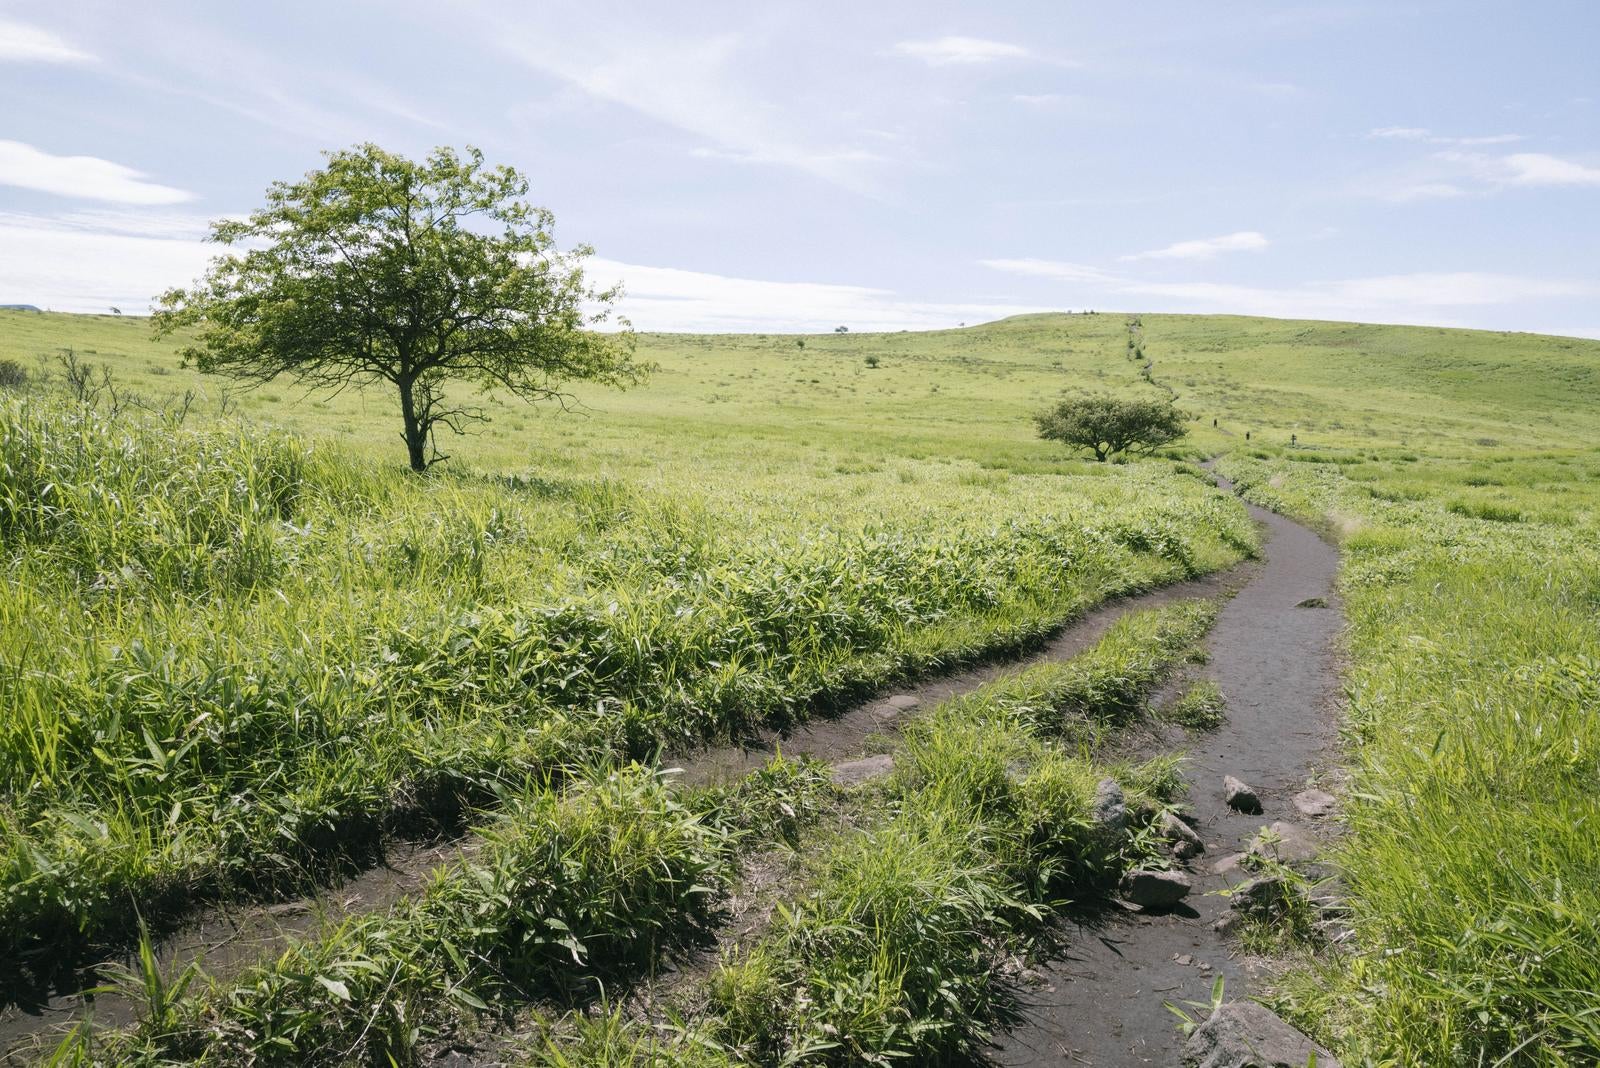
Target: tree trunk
[(416, 434)]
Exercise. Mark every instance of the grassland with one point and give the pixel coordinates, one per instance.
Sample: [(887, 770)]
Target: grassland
[(237, 657)]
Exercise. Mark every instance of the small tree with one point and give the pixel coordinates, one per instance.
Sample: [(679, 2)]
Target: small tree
[(1108, 425), (378, 268)]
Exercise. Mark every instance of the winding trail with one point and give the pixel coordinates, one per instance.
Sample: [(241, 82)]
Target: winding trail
[(1277, 664), (1104, 1002), (839, 738), (227, 940)]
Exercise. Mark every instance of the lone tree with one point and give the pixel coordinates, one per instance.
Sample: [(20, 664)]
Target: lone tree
[(379, 268), (1108, 425)]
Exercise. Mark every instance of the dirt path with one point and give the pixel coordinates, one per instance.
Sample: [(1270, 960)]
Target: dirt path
[(226, 941), (1276, 664), (852, 734)]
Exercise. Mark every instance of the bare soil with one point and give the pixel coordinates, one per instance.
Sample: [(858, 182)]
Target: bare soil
[(870, 726), (1103, 1002), (226, 941)]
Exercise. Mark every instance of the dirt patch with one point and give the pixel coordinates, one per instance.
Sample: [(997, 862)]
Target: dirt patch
[(227, 941), (1103, 1001), (870, 726)]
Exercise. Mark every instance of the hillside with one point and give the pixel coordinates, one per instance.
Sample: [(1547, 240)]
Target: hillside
[(961, 393), (245, 655)]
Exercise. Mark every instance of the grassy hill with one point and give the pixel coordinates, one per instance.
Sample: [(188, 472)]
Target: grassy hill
[(1332, 383), (775, 523)]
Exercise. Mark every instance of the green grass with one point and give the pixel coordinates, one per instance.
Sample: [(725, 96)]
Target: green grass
[(901, 946), (571, 890), (238, 657), (1474, 690), (1201, 707)]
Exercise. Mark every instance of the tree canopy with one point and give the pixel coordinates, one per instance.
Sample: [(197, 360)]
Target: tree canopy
[(1110, 425), (377, 268)]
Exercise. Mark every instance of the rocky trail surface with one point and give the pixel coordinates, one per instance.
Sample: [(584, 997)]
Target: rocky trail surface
[(1274, 654)]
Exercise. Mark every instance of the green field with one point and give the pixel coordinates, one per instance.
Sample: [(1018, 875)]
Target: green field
[(242, 649)]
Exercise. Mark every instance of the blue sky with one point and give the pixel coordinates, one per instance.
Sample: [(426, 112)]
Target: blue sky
[(777, 166)]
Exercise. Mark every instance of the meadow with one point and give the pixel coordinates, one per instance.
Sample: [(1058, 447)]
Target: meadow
[(241, 649)]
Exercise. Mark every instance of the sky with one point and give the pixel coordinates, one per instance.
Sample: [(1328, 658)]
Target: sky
[(781, 165)]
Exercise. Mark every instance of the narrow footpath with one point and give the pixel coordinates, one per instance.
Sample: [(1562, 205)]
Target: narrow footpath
[(226, 940), (1274, 654)]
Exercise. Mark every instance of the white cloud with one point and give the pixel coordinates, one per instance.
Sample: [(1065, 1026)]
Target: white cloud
[(1065, 272), (86, 177), (1434, 298), (669, 299), (688, 83), (959, 51), (1426, 136), (1456, 173), (1405, 192), (22, 43), (1399, 133), (1207, 248), (1520, 169), (1536, 168), (1374, 297), (73, 265)]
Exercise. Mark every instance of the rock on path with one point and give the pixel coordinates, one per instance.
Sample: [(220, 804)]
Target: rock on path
[(1240, 797), (1242, 1034)]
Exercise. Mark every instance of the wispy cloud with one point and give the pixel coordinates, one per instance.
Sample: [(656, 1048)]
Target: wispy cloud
[(1423, 297), (1057, 269), (86, 177), (690, 84), (22, 43), (1207, 248), (1426, 136), (1456, 173), (72, 264), (669, 299), (1537, 168), (959, 51)]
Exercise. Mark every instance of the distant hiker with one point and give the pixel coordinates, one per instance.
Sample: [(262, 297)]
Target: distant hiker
[(1247, 435), (1213, 422), (1293, 439)]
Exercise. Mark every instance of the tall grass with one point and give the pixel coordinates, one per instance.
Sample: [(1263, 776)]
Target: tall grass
[(1475, 734), (570, 890), (901, 947), (231, 660)]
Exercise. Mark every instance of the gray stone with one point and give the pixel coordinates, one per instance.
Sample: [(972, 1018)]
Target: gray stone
[(1315, 803), (1110, 807), (1228, 863), (1263, 895), (903, 701), (1239, 796), (1242, 1034), (1153, 889), (856, 772), (1285, 842), (1184, 842)]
